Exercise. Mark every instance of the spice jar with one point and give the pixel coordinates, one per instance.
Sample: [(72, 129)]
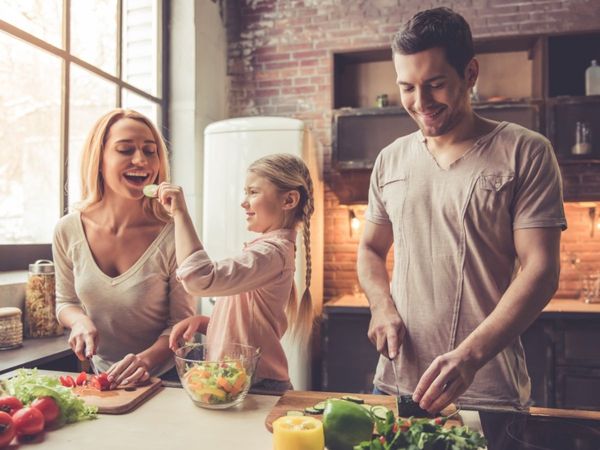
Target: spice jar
[(11, 328), (40, 301)]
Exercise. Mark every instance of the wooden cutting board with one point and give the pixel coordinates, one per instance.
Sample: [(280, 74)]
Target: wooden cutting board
[(120, 400), (298, 400)]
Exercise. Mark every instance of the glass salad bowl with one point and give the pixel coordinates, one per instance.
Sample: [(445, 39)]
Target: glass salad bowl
[(216, 378)]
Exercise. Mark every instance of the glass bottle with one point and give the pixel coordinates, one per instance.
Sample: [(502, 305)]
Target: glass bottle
[(592, 79), (40, 301), (583, 139)]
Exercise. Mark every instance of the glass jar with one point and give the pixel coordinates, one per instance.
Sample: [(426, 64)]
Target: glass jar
[(11, 328), (40, 301)]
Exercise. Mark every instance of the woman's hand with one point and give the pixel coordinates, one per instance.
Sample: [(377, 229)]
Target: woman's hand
[(171, 197), (83, 339), (130, 370), (186, 330)]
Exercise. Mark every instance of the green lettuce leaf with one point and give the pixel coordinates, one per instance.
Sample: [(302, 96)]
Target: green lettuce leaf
[(28, 384)]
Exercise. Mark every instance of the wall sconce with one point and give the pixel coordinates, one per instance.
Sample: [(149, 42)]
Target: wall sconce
[(354, 222), (591, 207)]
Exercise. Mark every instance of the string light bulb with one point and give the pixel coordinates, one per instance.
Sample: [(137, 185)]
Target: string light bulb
[(354, 222)]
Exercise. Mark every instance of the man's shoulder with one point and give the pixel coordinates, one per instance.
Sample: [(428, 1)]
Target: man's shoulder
[(400, 147), (523, 139)]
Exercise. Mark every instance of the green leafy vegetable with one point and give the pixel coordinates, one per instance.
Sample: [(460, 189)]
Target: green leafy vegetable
[(421, 434), (28, 384)]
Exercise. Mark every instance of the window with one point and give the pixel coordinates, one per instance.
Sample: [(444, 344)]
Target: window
[(64, 63)]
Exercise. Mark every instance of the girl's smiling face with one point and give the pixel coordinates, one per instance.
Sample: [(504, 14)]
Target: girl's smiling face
[(264, 204), (130, 159)]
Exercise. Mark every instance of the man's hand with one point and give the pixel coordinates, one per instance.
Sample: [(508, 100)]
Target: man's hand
[(448, 376), (386, 329)]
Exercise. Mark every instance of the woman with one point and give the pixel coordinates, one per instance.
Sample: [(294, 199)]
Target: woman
[(116, 287)]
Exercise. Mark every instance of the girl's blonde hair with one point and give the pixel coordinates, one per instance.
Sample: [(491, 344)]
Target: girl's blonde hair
[(289, 173), (92, 182)]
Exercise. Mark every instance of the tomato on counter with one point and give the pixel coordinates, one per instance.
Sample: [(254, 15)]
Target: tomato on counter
[(10, 404), (48, 407), (7, 429), (28, 421)]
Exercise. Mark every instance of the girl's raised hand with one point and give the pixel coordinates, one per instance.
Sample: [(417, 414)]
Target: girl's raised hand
[(171, 197)]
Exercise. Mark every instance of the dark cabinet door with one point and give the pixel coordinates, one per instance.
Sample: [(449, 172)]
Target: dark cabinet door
[(349, 358), (538, 342), (578, 388)]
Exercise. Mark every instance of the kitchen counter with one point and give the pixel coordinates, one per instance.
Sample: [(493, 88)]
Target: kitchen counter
[(555, 306), (169, 420), (35, 352)]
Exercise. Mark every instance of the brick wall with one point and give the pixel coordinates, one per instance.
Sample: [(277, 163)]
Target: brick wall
[(280, 64)]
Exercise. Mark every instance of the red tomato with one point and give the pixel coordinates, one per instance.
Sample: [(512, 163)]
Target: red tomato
[(28, 421), (10, 404), (48, 407), (67, 381), (7, 429), (81, 379), (100, 382)]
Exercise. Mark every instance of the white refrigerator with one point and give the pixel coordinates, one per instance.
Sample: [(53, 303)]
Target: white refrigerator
[(230, 146)]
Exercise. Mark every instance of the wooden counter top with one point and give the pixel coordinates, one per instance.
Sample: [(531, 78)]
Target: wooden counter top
[(557, 305)]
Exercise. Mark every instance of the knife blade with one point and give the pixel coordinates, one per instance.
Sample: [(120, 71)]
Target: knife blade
[(393, 361), (93, 366)]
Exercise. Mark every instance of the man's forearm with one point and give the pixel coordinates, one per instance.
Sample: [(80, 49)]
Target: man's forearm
[(517, 309), (373, 277)]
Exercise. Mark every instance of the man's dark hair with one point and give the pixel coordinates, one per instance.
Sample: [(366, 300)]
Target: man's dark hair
[(437, 27)]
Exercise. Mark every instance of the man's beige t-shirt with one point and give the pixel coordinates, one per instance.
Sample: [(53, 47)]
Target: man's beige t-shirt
[(454, 253)]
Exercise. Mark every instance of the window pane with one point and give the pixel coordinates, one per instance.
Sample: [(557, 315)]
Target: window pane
[(42, 18), (148, 108), (30, 136), (94, 32), (140, 44), (91, 97)]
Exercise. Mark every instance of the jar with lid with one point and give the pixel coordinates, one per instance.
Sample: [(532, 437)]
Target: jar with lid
[(11, 328), (40, 301)]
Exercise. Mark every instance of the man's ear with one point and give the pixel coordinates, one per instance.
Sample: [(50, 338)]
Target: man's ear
[(291, 199), (472, 72)]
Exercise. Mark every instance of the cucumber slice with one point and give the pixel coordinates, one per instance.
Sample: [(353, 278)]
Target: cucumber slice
[(311, 410), (294, 413), (379, 411), (150, 190), (320, 406), (350, 398)]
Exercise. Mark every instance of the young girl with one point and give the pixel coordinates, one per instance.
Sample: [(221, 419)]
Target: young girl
[(259, 295)]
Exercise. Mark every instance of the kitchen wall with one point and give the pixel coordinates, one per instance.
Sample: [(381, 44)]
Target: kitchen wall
[(279, 63)]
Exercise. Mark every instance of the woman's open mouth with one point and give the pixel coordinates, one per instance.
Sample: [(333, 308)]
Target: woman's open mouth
[(137, 178)]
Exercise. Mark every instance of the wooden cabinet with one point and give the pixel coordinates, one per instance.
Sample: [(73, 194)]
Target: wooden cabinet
[(536, 81)]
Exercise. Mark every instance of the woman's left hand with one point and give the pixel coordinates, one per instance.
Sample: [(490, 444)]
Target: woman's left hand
[(130, 370)]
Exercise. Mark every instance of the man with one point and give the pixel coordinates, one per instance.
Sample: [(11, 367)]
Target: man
[(466, 202)]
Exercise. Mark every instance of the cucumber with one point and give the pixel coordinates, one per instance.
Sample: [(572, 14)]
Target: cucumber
[(150, 190), (312, 410), (294, 413), (350, 398), (379, 411), (320, 407)]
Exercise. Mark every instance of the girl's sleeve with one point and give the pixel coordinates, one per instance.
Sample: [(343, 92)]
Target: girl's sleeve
[(63, 272), (251, 270), (181, 304)]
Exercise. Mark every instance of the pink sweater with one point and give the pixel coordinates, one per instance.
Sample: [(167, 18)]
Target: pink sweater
[(255, 288)]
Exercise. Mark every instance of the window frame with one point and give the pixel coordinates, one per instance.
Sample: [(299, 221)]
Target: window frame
[(19, 256)]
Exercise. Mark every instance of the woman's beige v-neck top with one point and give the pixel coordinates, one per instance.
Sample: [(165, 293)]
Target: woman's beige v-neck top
[(454, 252), (130, 311)]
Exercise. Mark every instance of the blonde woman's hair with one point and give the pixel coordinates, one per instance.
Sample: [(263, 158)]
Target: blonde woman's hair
[(289, 173), (92, 182)]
